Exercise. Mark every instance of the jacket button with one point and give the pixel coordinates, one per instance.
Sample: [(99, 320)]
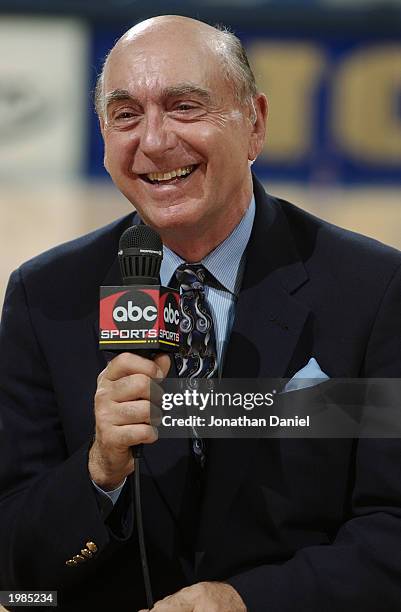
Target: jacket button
[(86, 553), (92, 547)]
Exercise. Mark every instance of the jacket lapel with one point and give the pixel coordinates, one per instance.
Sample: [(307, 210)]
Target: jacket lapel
[(268, 319), (267, 328)]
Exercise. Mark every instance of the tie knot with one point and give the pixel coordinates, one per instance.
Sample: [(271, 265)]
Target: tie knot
[(191, 276)]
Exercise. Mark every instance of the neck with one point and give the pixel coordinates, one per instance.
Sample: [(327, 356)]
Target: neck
[(193, 244)]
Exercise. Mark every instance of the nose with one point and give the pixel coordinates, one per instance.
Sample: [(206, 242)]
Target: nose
[(156, 137)]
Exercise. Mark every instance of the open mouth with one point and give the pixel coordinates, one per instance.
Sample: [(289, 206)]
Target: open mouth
[(170, 177)]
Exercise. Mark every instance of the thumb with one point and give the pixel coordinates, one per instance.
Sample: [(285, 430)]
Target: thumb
[(163, 362)]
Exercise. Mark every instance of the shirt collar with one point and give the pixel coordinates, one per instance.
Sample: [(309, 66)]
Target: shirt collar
[(224, 261)]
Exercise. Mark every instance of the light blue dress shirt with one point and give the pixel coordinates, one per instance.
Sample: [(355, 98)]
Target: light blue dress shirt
[(226, 263)]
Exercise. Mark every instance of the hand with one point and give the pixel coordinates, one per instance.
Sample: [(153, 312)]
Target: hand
[(122, 413), (202, 597)]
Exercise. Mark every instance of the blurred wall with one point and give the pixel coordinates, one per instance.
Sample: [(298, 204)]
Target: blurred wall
[(334, 139)]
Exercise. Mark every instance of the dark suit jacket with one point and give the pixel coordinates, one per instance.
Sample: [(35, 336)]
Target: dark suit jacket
[(293, 524)]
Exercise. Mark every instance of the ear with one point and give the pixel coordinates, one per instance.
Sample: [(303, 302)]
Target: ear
[(102, 130), (258, 133), (105, 164), (102, 126)]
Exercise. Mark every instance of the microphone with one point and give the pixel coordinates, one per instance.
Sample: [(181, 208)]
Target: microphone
[(141, 315)]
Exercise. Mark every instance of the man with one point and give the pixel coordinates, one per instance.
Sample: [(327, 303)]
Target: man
[(306, 525)]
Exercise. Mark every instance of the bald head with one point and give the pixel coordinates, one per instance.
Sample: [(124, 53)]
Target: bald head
[(168, 25), (226, 47)]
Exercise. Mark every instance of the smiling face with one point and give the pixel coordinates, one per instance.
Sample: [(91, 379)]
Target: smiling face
[(177, 144)]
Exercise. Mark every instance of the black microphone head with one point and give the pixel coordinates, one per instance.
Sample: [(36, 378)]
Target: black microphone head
[(140, 255), (141, 237)]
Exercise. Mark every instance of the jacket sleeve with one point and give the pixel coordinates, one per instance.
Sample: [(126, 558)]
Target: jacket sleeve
[(48, 505), (361, 568)]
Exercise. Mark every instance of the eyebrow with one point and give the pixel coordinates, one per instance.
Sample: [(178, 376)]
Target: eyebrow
[(185, 89), (117, 95), (175, 91)]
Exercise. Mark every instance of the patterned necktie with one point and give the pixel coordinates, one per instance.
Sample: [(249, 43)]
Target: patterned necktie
[(198, 356)]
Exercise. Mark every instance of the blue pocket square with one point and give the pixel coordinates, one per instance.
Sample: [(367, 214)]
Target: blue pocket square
[(308, 376)]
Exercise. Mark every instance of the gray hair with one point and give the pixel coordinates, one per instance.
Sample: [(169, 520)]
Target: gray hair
[(236, 67)]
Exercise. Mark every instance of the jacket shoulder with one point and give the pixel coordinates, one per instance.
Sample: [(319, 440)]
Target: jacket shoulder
[(72, 272), (338, 248), (90, 252)]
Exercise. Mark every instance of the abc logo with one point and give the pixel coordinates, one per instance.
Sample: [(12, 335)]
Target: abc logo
[(171, 315), (135, 313)]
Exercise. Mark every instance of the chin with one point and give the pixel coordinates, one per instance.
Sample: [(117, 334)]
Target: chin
[(173, 218)]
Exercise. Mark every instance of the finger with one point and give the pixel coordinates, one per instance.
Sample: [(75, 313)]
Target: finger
[(156, 393), (134, 387), (174, 603), (130, 388), (129, 413), (130, 363), (156, 415), (124, 436), (165, 606), (139, 411)]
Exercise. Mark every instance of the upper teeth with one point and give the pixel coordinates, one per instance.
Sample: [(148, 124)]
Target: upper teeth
[(166, 176)]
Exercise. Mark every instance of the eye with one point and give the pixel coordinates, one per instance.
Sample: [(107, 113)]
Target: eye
[(124, 115), (124, 118), (187, 110), (184, 106)]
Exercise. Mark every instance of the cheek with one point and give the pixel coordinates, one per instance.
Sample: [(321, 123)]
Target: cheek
[(229, 154), (229, 142), (116, 155)]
